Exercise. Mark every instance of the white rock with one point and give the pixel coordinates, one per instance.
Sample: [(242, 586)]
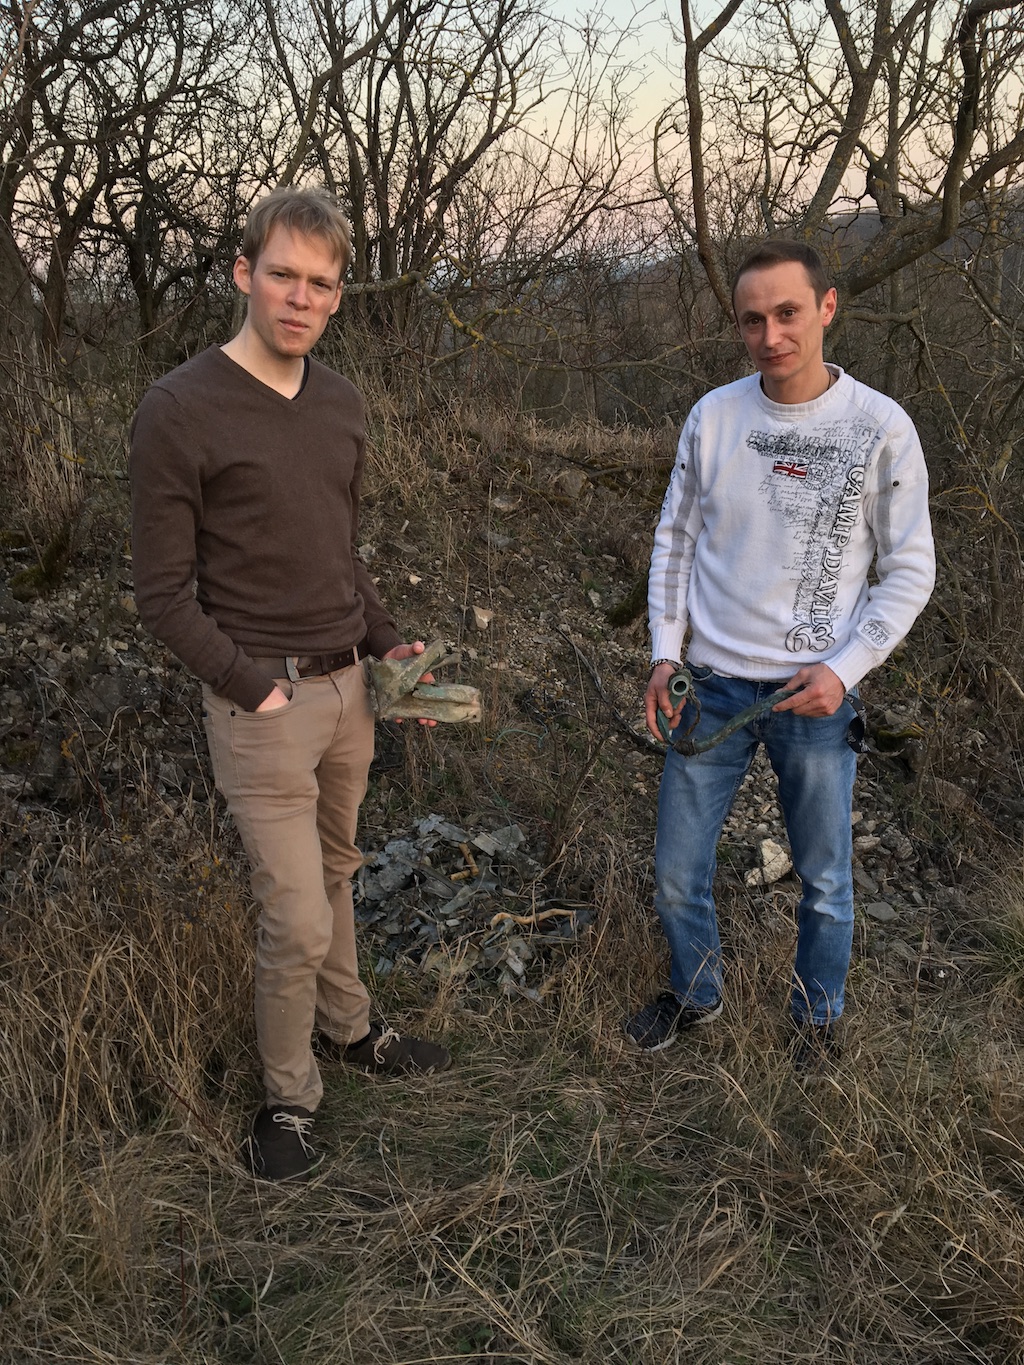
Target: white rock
[(571, 481), (775, 861)]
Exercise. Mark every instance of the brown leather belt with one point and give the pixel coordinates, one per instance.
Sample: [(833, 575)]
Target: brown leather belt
[(296, 666)]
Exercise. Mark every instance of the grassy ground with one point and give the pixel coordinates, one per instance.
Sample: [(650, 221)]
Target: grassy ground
[(556, 1197)]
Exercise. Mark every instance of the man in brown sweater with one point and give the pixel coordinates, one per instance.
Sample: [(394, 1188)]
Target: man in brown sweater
[(246, 465)]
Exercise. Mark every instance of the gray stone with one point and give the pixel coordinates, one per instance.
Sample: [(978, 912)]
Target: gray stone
[(497, 542), (865, 882), (571, 481), (104, 695)]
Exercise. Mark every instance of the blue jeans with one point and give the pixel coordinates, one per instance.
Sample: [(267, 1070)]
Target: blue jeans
[(816, 768)]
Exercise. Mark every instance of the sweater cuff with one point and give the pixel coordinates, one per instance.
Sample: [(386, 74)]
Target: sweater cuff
[(253, 687), (667, 642), (853, 662), (382, 638)]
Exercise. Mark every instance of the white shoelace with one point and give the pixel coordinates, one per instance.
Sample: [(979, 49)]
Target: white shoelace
[(302, 1127), (387, 1035)]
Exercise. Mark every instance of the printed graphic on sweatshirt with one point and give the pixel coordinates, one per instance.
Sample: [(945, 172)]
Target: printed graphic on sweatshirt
[(814, 484)]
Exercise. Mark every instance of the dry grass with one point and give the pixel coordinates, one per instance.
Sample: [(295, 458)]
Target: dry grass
[(555, 1198), (41, 451)]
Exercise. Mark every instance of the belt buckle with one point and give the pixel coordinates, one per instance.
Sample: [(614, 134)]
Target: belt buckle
[(291, 668)]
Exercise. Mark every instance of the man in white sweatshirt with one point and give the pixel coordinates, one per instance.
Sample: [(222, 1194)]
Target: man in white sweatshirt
[(788, 485)]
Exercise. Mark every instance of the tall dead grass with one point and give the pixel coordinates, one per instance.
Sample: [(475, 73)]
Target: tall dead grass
[(554, 1198), (42, 453)]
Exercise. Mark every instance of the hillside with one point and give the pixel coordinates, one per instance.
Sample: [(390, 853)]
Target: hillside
[(556, 1197)]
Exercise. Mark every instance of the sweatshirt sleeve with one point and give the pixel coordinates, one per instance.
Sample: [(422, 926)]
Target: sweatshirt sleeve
[(674, 543), (896, 509), (167, 509)]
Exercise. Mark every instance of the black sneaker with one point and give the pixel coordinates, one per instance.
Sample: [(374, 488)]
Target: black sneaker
[(815, 1048), (656, 1025), (384, 1050), (278, 1146)]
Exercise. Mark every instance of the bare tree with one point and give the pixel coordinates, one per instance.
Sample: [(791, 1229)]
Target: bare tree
[(104, 122), (399, 120), (875, 108)]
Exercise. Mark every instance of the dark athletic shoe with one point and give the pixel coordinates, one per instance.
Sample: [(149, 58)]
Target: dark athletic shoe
[(815, 1048), (385, 1051), (656, 1025), (279, 1146)]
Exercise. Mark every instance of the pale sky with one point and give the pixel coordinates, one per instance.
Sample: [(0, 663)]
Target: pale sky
[(647, 43)]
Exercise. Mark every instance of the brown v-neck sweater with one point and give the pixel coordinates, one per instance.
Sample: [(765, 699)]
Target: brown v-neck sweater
[(244, 522)]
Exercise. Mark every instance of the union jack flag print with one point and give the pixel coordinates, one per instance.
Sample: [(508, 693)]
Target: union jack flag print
[(792, 469)]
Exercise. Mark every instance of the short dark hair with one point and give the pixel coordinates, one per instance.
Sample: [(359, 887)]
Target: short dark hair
[(780, 251), (313, 212)]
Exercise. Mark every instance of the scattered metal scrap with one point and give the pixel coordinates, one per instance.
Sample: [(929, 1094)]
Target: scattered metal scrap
[(398, 693), (462, 903)]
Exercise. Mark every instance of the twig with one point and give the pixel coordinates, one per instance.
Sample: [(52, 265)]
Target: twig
[(641, 741)]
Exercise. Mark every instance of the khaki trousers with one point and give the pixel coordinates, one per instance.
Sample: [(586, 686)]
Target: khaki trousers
[(293, 780)]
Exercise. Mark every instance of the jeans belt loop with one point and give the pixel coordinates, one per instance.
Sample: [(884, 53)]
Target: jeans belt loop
[(291, 668)]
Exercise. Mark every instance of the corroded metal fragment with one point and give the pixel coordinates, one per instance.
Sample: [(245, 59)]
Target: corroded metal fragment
[(398, 693), (680, 688)]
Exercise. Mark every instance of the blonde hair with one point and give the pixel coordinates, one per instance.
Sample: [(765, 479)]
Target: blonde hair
[(314, 213)]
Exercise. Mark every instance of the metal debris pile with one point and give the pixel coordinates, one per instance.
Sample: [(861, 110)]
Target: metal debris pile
[(466, 904)]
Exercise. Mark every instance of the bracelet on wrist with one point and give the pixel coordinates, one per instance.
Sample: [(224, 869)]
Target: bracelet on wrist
[(674, 662)]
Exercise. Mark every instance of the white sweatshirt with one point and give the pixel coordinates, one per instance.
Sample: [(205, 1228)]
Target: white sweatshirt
[(771, 521)]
